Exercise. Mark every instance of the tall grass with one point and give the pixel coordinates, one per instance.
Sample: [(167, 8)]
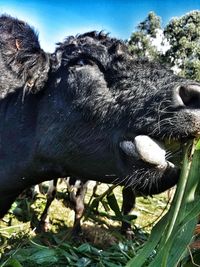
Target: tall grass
[(169, 241)]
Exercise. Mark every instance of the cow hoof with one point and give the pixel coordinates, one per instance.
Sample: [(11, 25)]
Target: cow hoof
[(128, 233)]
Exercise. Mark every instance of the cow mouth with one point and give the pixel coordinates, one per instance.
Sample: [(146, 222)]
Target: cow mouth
[(147, 161), (158, 154)]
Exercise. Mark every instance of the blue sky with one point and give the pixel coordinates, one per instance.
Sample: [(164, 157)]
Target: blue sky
[(54, 20)]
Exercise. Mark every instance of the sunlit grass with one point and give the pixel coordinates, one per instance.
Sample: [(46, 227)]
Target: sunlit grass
[(16, 234)]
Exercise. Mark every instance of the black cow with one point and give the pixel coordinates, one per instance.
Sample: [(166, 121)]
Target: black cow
[(88, 110)]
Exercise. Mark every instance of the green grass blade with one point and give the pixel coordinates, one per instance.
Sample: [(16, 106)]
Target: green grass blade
[(173, 233)]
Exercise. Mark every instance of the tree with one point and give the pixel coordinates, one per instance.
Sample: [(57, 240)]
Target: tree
[(183, 35), (141, 41), (177, 45), (150, 25)]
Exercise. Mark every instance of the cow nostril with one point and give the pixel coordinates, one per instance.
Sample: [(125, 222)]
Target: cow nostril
[(189, 95)]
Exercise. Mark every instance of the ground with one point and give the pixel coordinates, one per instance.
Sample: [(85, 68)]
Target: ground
[(100, 233)]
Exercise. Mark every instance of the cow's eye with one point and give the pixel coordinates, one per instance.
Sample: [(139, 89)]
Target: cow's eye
[(83, 62)]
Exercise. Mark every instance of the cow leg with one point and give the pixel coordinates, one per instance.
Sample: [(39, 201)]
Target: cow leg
[(128, 204), (79, 207), (77, 199), (44, 219), (6, 202)]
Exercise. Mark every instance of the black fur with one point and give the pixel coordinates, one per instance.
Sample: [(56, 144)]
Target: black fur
[(21, 57), (65, 114)]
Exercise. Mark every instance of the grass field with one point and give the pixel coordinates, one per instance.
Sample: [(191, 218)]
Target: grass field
[(19, 243)]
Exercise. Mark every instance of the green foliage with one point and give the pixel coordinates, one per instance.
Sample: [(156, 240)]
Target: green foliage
[(150, 24), (191, 69), (183, 35), (140, 41), (169, 239), (109, 202), (140, 46), (65, 254), (179, 48)]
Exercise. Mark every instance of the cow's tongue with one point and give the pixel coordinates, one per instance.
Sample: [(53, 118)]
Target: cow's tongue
[(146, 149)]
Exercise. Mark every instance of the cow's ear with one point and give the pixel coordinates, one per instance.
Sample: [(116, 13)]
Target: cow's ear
[(21, 52), (16, 35)]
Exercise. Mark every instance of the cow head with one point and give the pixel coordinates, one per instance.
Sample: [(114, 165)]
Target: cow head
[(99, 109)]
